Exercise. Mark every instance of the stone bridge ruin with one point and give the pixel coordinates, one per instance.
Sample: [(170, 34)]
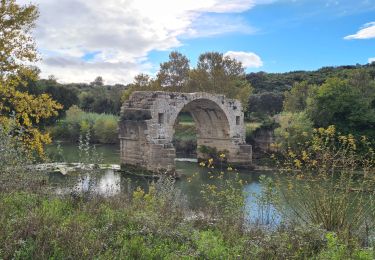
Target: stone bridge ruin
[(147, 127)]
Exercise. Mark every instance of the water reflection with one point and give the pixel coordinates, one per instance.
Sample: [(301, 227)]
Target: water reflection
[(109, 183)]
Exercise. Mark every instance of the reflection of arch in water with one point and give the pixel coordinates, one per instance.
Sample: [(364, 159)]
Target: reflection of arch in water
[(147, 127)]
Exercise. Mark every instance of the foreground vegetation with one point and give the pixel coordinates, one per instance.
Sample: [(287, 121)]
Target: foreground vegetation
[(157, 222)]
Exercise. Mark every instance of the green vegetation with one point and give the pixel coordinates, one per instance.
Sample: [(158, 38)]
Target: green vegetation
[(281, 82), (157, 223), (336, 173), (214, 73), (295, 129), (102, 127)]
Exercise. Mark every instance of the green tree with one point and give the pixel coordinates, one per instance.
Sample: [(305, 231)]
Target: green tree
[(175, 72), (98, 82), (220, 74), (347, 104), (17, 48), (295, 99), (294, 129), (266, 103)]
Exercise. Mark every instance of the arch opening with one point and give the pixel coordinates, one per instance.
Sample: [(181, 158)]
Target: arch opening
[(199, 123)]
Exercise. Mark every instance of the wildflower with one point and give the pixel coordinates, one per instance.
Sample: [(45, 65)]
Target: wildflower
[(202, 164), (229, 168), (222, 155), (330, 131), (305, 156), (291, 154), (297, 163)]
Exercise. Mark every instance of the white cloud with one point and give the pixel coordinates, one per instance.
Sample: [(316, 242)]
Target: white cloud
[(248, 59), (371, 60), (123, 32), (366, 32)]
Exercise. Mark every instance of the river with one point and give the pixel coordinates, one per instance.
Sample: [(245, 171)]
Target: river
[(111, 182)]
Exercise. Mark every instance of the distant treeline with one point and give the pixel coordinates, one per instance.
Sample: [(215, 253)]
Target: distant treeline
[(281, 82), (95, 97)]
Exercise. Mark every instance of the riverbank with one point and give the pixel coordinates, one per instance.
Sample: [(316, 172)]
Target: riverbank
[(149, 225)]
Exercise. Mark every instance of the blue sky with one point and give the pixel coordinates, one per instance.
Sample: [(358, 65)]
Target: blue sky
[(117, 39), (304, 35)]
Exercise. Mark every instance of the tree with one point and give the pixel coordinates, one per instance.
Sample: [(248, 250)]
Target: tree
[(142, 81), (220, 74), (295, 99), (17, 48), (267, 103), (347, 104), (220, 70), (175, 72), (98, 82), (294, 129)]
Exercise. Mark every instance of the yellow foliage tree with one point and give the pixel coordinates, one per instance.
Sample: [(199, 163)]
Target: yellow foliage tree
[(17, 52)]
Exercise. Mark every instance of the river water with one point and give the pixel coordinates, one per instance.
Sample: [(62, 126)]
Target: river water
[(111, 182)]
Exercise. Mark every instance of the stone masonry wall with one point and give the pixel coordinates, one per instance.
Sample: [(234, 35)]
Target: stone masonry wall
[(147, 127)]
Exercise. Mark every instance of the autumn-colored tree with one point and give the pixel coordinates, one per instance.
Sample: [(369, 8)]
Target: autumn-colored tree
[(17, 50)]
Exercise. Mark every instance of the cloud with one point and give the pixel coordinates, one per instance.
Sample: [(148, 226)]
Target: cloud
[(371, 60), (248, 59), (366, 32), (123, 32)]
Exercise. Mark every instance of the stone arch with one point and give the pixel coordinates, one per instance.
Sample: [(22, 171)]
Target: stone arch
[(147, 127)]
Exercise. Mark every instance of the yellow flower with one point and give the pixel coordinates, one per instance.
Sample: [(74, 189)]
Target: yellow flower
[(297, 163), (210, 160), (222, 155), (202, 164), (229, 168), (330, 130), (305, 156)]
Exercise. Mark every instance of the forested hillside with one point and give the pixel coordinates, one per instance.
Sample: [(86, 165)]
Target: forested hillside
[(280, 82)]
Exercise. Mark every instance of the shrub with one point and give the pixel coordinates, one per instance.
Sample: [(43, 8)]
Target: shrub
[(105, 130), (102, 127), (329, 181), (295, 129)]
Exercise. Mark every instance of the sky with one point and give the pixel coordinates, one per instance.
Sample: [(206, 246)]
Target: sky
[(79, 40)]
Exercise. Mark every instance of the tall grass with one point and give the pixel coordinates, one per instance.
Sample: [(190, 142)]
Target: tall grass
[(102, 127)]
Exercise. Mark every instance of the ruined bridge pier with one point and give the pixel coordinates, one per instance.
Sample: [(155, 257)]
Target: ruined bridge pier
[(146, 127)]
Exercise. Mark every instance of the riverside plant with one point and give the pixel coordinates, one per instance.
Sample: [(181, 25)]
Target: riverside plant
[(330, 181), (14, 161)]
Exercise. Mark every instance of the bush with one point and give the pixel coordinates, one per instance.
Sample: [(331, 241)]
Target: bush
[(295, 129), (102, 127), (329, 181), (105, 130)]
